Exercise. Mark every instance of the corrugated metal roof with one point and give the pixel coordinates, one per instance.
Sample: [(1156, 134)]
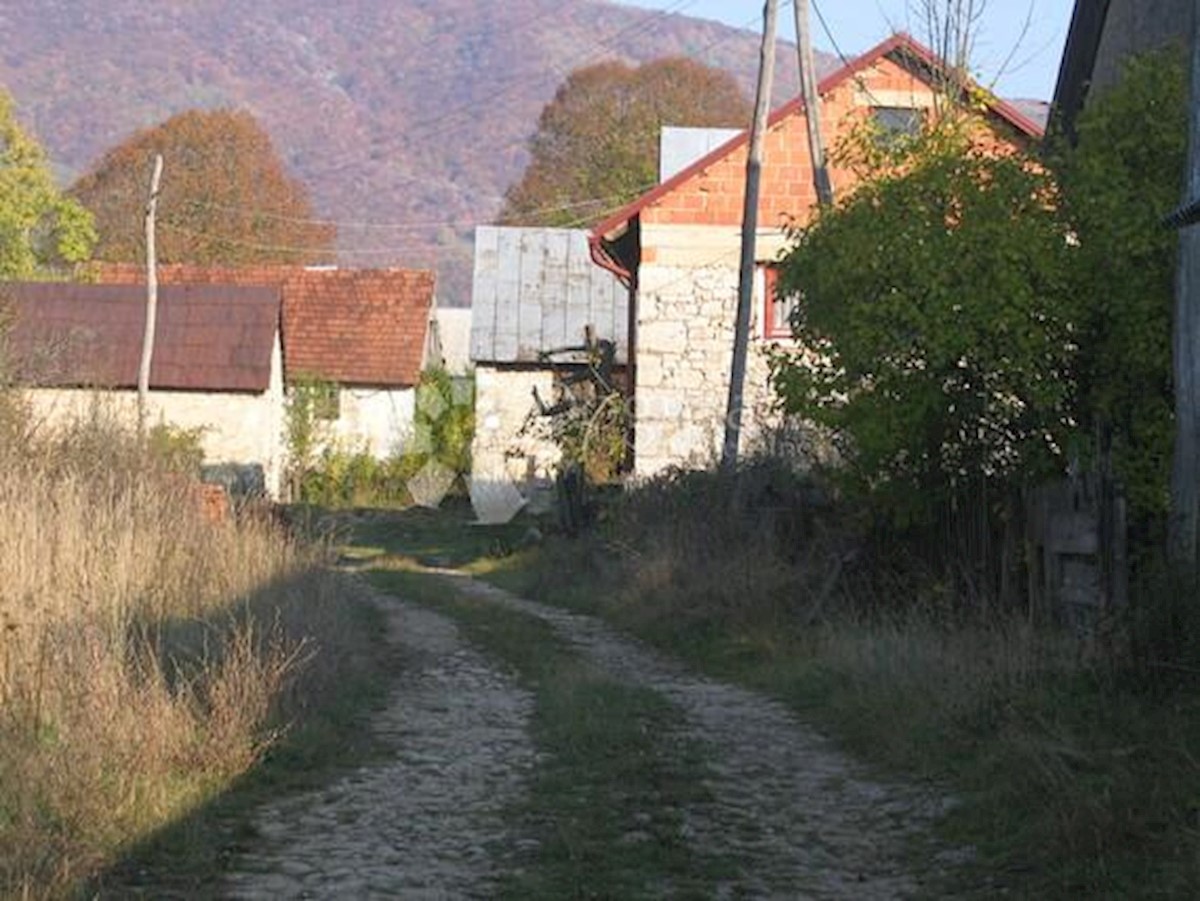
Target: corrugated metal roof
[(351, 326), (679, 147), (208, 338), (536, 290)]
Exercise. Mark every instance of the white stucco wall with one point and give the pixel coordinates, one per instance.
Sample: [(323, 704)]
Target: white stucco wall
[(687, 303), (241, 429), (376, 420), (503, 400)]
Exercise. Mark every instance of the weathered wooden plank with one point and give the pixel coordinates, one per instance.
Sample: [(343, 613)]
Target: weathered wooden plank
[(556, 247), (530, 295), (483, 294), (536, 290), (578, 289), (508, 294)]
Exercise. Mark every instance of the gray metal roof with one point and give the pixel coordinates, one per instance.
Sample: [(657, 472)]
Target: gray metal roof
[(536, 290), (679, 147)]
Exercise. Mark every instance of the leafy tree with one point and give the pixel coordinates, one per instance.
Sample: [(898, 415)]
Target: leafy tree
[(1117, 184), (225, 197), (596, 145), (39, 227), (937, 299)]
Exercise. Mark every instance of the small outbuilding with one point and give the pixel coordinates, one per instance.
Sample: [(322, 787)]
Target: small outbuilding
[(217, 365)]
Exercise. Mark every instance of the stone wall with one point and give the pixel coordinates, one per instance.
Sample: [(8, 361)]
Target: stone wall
[(684, 346), (503, 400)]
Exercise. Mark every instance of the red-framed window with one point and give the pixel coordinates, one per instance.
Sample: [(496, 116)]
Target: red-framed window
[(777, 310)]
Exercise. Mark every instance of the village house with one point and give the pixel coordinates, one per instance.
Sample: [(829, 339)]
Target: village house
[(536, 299), (676, 248), (1102, 36), (364, 334), (217, 367)]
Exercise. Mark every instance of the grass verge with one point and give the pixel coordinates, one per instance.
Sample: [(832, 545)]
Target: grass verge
[(1077, 778), (605, 809)]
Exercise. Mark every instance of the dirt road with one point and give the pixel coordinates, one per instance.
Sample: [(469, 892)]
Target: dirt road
[(798, 817)]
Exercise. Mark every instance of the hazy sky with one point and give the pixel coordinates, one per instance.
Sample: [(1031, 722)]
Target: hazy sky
[(857, 25)]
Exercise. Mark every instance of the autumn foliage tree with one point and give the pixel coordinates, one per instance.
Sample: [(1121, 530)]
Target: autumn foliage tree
[(596, 144), (226, 197), (39, 227)]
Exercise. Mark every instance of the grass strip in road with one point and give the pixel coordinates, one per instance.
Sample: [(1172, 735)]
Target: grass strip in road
[(606, 807)]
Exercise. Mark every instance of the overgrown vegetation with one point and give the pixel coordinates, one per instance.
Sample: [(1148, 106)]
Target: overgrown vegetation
[(1075, 761), (227, 198), (1119, 182), (149, 657), (322, 470), (980, 322), (596, 144), (40, 229)]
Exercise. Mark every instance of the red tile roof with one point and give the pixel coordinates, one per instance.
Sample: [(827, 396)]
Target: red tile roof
[(207, 338), (351, 326), (900, 42)]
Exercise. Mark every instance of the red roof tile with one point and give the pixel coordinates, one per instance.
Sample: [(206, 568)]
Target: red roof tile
[(207, 337), (351, 326)]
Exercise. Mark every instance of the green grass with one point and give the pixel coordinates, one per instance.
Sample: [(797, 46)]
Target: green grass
[(446, 537), (605, 806)]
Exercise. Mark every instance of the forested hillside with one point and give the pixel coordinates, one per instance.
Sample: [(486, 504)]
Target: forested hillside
[(406, 118)]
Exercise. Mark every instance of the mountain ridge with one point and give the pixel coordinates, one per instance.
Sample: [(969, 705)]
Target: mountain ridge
[(406, 119)]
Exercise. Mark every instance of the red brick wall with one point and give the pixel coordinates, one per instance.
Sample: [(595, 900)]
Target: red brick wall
[(714, 196)]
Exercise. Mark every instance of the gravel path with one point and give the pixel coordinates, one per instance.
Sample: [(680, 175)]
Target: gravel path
[(421, 823), (798, 816)]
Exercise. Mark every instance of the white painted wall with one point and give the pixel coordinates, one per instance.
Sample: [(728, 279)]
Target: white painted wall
[(376, 420), (503, 400), (242, 429)]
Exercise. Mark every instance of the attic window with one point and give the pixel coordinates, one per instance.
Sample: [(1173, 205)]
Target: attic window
[(897, 121)]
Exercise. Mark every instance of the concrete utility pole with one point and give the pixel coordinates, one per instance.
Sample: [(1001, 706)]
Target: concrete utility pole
[(812, 104), (741, 336), (151, 297)]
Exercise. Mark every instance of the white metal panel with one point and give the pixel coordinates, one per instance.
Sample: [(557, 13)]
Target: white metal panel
[(678, 147), (536, 290), (483, 294)]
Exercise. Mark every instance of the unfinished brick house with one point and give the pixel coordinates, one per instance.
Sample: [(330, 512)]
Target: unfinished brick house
[(677, 249)]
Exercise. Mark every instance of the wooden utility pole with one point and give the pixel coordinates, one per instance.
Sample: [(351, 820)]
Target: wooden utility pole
[(741, 337), (151, 296), (812, 104), (1185, 468)]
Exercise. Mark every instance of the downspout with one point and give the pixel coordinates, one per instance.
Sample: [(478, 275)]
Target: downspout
[(602, 258), (606, 260)]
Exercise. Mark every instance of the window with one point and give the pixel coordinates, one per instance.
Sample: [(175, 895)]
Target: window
[(897, 121), (777, 311)]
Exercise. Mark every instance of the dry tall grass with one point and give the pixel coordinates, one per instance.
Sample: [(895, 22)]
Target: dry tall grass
[(143, 650)]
